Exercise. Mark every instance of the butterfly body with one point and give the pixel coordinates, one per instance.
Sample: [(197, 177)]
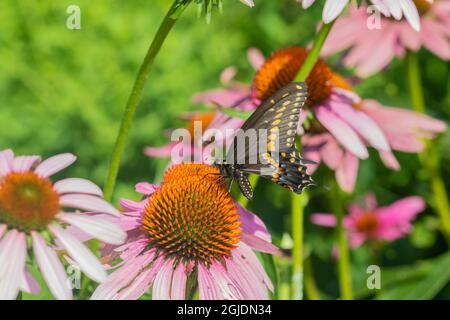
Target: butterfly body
[(272, 154)]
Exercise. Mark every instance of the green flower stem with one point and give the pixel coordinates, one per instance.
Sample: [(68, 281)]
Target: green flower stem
[(430, 157), (313, 55), (312, 293), (169, 21), (298, 204), (344, 271)]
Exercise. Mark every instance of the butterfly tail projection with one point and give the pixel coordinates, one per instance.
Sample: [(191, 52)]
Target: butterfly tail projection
[(291, 172)]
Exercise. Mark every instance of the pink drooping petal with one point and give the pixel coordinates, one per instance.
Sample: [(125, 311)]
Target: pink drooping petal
[(403, 128), (162, 285), (130, 223), (252, 224), (333, 9), (95, 226), (347, 172), (402, 211), (370, 202), (51, 268), (228, 75), (178, 289), (132, 206), (12, 264), (259, 244), (141, 283), (160, 152), (245, 256), (55, 164), (89, 203), (228, 289), (435, 39), (256, 58), (331, 153), (29, 284), (380, 55), (80, 253), (324, 219), (356, 239), (6, 162), (206, 285), (122, 277), (77, 185), (400, 119), (344, 33), (253, 288), (145, 188), (389, 160), (342, 132), (25, 163), (362, 123), (363, 48), (312, 145), (389, 233), (409, 37), (132, 249)]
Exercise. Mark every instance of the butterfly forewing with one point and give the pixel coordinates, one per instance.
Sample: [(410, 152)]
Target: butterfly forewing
[(274, 123)]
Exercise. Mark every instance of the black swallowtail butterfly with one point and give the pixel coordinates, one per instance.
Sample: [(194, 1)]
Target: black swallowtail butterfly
[(279, 160)]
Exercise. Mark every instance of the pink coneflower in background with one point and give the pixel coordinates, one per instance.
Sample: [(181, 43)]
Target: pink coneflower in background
[(193, 149), (188, 231), (31, 213), (339, 124), (373, 49), (389, 8), (370, 222)]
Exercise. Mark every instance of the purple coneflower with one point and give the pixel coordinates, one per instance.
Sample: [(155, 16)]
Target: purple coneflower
[(188, 233), (370, 222), (34, 215)]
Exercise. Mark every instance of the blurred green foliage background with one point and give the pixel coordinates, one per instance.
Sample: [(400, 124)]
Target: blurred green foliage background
[(65, 90)]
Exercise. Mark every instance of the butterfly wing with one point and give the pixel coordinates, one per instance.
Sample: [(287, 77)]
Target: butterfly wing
[(279, 116), (276, 156)]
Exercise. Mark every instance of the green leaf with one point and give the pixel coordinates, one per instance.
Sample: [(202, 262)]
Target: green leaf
[(424, 281), (435, 280)]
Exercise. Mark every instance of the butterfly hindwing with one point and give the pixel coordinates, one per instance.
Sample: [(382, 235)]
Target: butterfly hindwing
[(288, 170)]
